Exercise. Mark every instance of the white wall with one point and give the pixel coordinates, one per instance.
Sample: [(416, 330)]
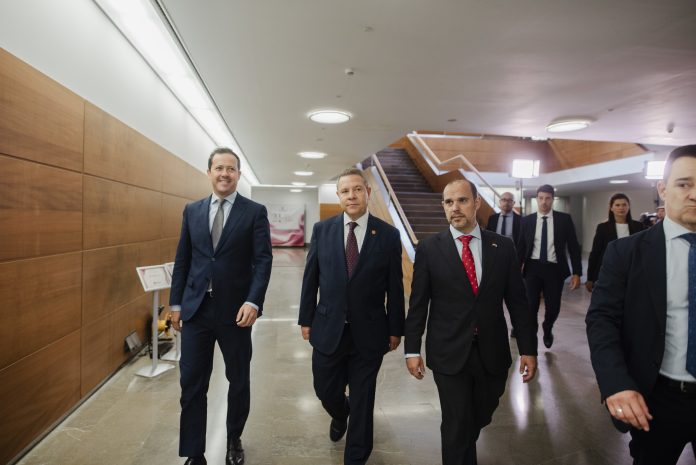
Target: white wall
[(75, 44), (282, 195)]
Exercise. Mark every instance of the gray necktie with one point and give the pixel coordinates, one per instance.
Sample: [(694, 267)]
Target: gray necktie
[(218, 222)]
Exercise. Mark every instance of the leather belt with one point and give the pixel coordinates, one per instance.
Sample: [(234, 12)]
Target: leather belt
[(685, 387)]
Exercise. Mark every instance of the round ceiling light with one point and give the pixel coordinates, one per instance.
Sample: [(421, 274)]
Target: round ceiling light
[(304, 173), (329, 116), (568, 124), (314, 155)]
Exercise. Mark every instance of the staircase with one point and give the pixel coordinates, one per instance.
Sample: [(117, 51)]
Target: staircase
[(422, 206)]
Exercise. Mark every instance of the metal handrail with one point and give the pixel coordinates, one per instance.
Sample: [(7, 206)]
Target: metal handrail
[(394, 200)]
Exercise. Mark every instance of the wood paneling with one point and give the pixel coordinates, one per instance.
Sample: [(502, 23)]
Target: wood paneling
[(40, 300), (40, 209), (172, 211), (40, 120), (109, 277), (574, 153), (37, 391), (168, 249), (115, 213), (117, 152), (95, 349), (327, 210), (132, 316), (183, 180)]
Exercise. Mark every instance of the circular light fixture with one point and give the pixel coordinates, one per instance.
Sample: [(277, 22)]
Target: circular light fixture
[(298, 183), (568, 124), (314, 155), (618, 181), (304, 173), (295, 190), (329, 116)]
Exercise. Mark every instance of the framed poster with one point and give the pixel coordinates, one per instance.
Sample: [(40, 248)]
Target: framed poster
[(287, 224), (154, 277)]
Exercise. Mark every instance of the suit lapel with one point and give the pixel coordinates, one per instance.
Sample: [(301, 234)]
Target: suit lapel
[(202, 220), (450, 256), (336, 231), (367, 245), (236, 212), (489, 249), (654, 255)]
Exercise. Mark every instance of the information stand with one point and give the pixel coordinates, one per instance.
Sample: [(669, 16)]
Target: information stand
[(174, 355), (154, 278)]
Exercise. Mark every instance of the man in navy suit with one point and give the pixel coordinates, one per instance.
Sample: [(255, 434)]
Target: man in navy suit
[(354, 263), (221, 272), (507, 222), (461, 277), (641, 324), (545, 238)]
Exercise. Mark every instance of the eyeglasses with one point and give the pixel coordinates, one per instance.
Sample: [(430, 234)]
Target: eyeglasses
[(508, 200)]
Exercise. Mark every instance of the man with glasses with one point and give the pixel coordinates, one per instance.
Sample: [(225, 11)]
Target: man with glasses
[(507, 222)]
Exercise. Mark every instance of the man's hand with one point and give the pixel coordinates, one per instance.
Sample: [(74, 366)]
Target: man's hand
[(176, 320), (589, 285), (394, 342), (630, 407), (246, 316), (416, 367), (528, 367), (305, 332), (574, 282)]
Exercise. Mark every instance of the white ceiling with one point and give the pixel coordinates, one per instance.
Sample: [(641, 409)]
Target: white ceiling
[(505, 67)]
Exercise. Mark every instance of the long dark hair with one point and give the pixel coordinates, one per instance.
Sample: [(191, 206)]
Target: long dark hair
[(614, 198)]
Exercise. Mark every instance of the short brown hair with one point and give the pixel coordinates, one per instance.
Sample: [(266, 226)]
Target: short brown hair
[(683, 151), (352, 172), (220, 150)]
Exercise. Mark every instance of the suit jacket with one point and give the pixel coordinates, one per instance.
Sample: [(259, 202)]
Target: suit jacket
[(564, 237), (240, 266), (516, 221), (605, 233), (628, 313), (359, 300), (442, 295)]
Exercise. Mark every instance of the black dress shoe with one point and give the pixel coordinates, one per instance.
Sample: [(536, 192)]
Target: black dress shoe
[(548, 339), (235, 453), (196, 461), (338, 429)]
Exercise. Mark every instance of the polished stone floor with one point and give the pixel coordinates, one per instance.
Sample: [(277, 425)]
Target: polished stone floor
[(557, 420)]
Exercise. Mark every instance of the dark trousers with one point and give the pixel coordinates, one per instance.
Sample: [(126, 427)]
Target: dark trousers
[(540, 277), (467, 400), (348, 368), (198, 338), (672, 428)]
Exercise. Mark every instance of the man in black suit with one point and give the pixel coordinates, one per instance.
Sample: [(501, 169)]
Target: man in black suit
[(461, 278), (641, 324), (544, 239), (354, 262), (507, 222), (221, 272)]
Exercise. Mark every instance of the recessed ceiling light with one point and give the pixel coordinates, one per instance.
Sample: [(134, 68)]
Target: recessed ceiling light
[(329, 116), (295, 190), (618, 181), (304, 173), (312, 154), (568, 124), (654, 169), (298, 183)]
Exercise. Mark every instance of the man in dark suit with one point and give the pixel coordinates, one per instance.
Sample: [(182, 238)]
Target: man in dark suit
[(222, 268), (544, 239), (641, 324), (507, 222), (354, 262), (461, 278)]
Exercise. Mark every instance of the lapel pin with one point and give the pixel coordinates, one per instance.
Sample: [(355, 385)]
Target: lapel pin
[(374, 233), (494, 244)]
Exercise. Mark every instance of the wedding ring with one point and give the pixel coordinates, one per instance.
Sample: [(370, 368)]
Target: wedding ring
[(619, 410)]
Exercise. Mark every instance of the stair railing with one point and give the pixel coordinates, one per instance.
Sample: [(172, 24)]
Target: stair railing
[(436, 164), (394, 201)]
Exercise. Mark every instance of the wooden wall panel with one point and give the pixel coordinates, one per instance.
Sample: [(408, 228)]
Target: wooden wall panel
[(172, 211), (40, 209), (115, 151), (183, 180), (574, 153), (109, 277), (40, 298), (132, 316), (37, 391), (327, 210), (95, 359), (40, 119), (115, 213), (168, 249)]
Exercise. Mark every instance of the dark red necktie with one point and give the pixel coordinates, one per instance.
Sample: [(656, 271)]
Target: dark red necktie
[(351, 249), (468, 261)]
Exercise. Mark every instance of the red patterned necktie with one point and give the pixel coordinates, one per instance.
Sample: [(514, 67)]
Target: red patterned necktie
[(468, 261), (351, 249)]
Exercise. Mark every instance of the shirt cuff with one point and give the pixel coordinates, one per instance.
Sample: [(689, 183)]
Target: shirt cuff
[(412, 355), (175, 308), (256, 307)]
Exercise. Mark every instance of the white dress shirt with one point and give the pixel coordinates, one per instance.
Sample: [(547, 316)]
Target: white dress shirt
[(676, 330), (509, 218), (550, 249), (622, 230), (359, 230)]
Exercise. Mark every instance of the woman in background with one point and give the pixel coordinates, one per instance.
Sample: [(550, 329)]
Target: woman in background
[(620, 225)]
